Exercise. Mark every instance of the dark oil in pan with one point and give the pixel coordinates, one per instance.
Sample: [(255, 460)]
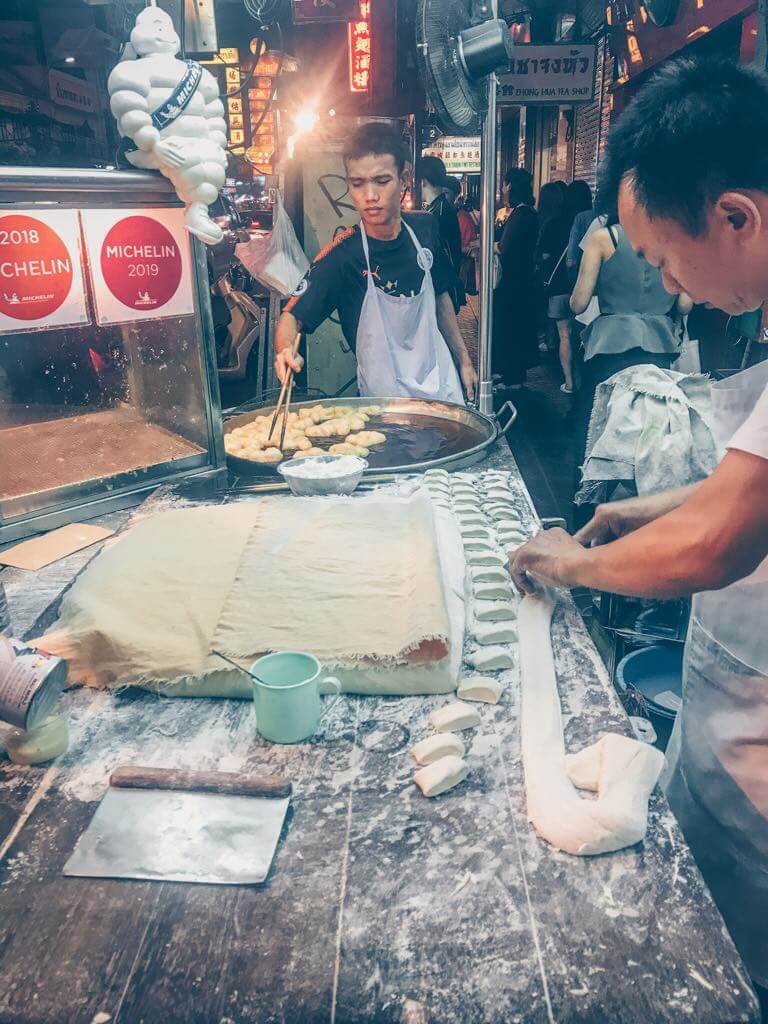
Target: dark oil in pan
[(421, 439)]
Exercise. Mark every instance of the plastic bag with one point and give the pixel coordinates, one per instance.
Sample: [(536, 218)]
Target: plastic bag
[(276, 260)]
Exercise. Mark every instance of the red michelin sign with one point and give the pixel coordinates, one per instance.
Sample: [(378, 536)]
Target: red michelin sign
[(141, 263)]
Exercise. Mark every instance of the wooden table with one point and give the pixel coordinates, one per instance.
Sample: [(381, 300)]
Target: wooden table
[(381, 905)]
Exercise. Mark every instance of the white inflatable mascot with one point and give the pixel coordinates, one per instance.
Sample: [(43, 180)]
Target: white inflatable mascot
[(171, 118)]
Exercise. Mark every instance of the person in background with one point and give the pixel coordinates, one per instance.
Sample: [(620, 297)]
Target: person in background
[(580, 203), (690, 180), (453, 191), (635, 325), (469, 228), (515, 298), (390, 282), (434, 185), (555, 221)]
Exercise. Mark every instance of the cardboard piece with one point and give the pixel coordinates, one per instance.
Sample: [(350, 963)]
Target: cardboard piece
[(50, 547)]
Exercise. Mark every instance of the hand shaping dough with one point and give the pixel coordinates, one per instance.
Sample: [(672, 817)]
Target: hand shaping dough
[(495, 632), (441, 776), (481, 688), (494, 611), (435, 747), (490, 658), (487, 557), (490, 574), (454, 718), (500, 591), (622, 771), (345, 448)]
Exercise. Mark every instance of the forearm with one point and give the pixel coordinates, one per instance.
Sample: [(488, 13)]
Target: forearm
[(449, 328), (718, 534), (285, 333)]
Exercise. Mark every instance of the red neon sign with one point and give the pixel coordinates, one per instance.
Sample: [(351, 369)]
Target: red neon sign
[(360, 52)]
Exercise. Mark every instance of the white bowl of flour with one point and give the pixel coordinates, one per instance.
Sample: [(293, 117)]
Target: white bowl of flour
[(323, 474)]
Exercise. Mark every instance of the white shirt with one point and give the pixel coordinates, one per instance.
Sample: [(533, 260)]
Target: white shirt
[(752, 435)]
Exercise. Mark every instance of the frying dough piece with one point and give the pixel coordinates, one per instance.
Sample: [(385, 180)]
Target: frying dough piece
[(489, 574), (487, 633), (490, 658), (269, 455), (488, 557), (480, 688), (345, 448), (441, 776), (454, 717), (477, 533), (435, 747), (357, 422), (309, 453), (494, 611), (368, 438), (493, 591), (330, 428), (297, 443)]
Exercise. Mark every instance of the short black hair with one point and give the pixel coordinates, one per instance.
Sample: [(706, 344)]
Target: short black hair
[(432, 170), (375, 138), (698, 129), (520, 185)]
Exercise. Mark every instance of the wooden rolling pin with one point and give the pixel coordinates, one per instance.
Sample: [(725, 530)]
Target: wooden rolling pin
[(232, 783)]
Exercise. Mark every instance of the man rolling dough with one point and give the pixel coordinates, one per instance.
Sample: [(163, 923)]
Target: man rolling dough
[(692, 191), (391, 283)]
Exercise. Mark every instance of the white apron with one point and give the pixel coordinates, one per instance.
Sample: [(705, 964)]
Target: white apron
[(400, 350), (719, 790)]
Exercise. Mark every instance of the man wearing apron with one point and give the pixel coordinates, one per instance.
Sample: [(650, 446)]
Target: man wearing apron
[(704, 222), (390, 281)]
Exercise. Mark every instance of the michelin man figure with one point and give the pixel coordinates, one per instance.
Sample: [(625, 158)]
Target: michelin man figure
[(171, 118)]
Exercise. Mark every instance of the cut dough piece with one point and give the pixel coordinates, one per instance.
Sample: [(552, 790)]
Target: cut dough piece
[(441, 776), (438, 474), (500, 591), (465, 478), (494, 611), (489, 574), (513, 540), (487, 633), (488, 557), (477, 533), (621, 771), (367, 438), (33, 746), (460, 488), (478, 544), (472, 519), (471, 507), (454, 717), (435, 747), (482, 688), (490, 658)]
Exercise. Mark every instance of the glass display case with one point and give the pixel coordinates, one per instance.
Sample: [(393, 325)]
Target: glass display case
[(108, 381)]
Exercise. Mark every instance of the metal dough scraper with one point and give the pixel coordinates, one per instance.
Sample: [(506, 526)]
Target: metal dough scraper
[(179, 826)]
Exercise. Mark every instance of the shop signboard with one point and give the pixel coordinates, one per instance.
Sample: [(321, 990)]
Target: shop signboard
[(460, 154), (561, 73), (139, 264), (324, 10), (41, 273)]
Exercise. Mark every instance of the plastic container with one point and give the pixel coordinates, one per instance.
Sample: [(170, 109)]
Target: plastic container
[(303, 486), (656, 673)]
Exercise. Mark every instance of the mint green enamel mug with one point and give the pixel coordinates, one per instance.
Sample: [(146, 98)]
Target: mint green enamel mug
[(287, 695)]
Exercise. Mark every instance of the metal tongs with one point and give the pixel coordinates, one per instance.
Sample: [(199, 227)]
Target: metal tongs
[(285, 396)]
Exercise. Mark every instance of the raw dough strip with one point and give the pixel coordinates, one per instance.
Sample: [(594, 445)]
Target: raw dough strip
[(487, 633), (622, 771), (489, 659), (480, 688), (434, 747), (454, 717)]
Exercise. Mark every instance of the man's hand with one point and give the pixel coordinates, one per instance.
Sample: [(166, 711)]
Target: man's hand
[(285, 360), (547, 559), (468, 379), (618, 518)]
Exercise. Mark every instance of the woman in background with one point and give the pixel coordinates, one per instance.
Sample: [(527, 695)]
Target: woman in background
[(555, 220), (515, 298)]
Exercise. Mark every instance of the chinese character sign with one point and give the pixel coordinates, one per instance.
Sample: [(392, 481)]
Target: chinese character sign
[(556, 73), (360, 54)]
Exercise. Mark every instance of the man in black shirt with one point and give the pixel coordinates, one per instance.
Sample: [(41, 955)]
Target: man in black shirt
[(435, 186), (390, 281)]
